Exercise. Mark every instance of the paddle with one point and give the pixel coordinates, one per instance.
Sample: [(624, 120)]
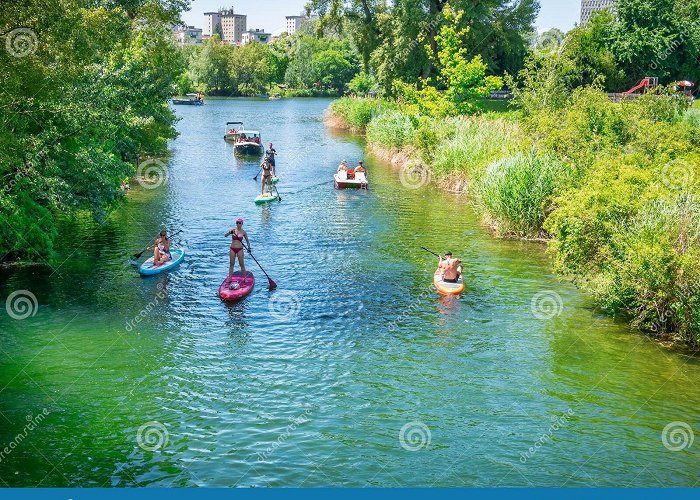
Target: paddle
[(271, 283), (134, 258), (278, 193), (430, 251)]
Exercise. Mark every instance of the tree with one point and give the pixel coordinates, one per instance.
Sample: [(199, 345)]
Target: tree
[(211, 67), (465, 79), (656, 38), (81, 105), (248, 68), (332, 69), (359, 18)]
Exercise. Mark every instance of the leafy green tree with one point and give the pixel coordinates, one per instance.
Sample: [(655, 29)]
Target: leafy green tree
[(212, 66), (656, 38), (332, 69), (84, 89), (465, 79), (300, 71), (591, 58), (249, 70), (358, 18)]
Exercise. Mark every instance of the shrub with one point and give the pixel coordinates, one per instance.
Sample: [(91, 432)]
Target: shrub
[(362, 84), (655, 278), (516, 192), (357, 113)]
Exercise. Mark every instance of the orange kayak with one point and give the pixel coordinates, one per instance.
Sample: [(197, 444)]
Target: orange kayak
[(445, 288)]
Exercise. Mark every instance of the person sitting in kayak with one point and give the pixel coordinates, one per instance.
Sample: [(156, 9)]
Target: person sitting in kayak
[(450, 268), (270, 155), (266, 177), (238, 234), (161, 249)]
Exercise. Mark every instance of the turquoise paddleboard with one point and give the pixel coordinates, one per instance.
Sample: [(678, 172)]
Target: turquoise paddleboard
[(148, 269)]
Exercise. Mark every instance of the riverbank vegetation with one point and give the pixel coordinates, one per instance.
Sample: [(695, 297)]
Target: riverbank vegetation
[(83, 91), (611, 186)]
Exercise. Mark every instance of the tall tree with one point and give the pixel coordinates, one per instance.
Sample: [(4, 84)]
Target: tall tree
[(657, 38), (359, 18)]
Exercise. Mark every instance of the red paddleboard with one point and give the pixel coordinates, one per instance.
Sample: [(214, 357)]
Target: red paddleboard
[(234, 289)]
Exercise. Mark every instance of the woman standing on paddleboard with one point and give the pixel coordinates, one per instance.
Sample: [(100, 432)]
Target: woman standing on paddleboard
[(267, 177), (237, 250)]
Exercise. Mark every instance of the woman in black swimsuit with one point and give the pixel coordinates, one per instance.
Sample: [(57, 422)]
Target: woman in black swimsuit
[(237, 247), (267, 177)]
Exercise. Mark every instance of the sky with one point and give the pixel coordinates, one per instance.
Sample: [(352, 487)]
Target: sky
[(270, 14)]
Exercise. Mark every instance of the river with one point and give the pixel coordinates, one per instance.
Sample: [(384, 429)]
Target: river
[(353, 372)]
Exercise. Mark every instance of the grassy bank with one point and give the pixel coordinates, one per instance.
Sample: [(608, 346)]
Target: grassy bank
[(612, 188)]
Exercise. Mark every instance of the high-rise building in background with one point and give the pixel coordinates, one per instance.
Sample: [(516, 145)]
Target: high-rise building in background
[(590, 6), (231, 25), (295, 22), (211, 21)]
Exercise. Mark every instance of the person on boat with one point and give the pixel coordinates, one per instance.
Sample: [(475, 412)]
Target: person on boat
[(161, 249), (343, 166), (270, 155), (450, 268), (361, 168), (266, 177), (242, 138), (237, 249)]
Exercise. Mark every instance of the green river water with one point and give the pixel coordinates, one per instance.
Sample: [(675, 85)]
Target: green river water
[(353, 372)]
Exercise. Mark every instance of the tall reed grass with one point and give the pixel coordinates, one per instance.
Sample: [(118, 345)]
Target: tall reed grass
[(516, 192), (391, 129)]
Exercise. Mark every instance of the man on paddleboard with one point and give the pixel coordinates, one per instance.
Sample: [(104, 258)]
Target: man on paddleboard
[(450, 268), (270, 155)]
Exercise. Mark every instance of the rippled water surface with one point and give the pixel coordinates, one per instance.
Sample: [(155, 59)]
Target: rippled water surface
[(352, 373)]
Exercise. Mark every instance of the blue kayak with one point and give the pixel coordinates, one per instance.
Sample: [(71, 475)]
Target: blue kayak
[(148, 269)]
